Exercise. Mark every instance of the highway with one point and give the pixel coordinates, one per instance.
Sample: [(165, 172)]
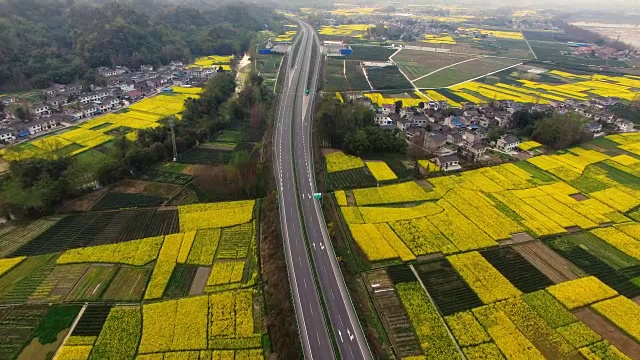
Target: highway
[(314, 273)]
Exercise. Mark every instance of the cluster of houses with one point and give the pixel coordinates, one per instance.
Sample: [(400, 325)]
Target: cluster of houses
[(464, 131), (62, 105)]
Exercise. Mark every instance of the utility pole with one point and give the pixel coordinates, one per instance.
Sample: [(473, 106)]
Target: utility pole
[(173, 139)]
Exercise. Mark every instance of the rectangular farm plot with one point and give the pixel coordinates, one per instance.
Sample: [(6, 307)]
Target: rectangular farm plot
[(381, 170), (92, 320), (447, 288), (483, 278), (526, 277), (429, 327), (356, 79), (94, 282), (581, 292), (464, 71), (393, 315), (99, 228), (128, 284), (417, 63), (204, 247), (352, 178), (59, 283), (335, 79), (17, 324), (387, 78), (620, 280), (370, 53), (19, 284)]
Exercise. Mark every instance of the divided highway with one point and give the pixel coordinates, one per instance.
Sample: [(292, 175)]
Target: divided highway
[(314, 273)]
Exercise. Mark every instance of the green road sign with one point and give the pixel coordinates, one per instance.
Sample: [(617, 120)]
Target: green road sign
[(317, 195)]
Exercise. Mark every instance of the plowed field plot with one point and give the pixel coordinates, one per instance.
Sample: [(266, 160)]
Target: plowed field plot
[(205, 156), (394, 317), (448, 290), (516, 269), (166, 177), (416, 63), (128, 284), (554, 266), (17, 324), (92, 320), (115, 200), (180, 281), (388, 77), (348, 179), (400, 274), (464, 71), (101, 228), (618, 279)]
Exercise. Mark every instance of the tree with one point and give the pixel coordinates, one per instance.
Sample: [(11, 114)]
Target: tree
[(138, 159), (398, 105), (21, 113), (561, 131), (111, 172)]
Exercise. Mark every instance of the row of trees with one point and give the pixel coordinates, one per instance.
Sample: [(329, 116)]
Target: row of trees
[(351, 127), (63, 40)]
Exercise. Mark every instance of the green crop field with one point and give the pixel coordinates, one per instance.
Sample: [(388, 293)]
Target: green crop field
[(387, 78), (464, 71), (334, 78), (370, 53), (416, 63), (355, 76)]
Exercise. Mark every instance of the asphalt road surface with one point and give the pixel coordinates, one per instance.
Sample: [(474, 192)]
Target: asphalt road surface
[(307, 245)]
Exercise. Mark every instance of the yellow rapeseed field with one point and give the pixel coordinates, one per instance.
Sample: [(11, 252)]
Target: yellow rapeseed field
[(381, 170), (581, 292), (529, 145), (397, 193), (8, 264), (135, 252), (483, 278), (623, 312), (339, 161)]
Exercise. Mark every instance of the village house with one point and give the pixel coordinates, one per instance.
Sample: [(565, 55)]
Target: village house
[(7, 135), (448, 162), (388, 109), (475, 150), (403, 124), (507, 142), (414, 133), (384, 121), (593, 127), (93, 96), (624, 125), (118, 70), (434, 141), (39, 125), (41, 109)]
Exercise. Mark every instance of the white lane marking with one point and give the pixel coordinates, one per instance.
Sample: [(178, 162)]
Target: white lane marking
[(340, 333), (350, 335), (310, 308)]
